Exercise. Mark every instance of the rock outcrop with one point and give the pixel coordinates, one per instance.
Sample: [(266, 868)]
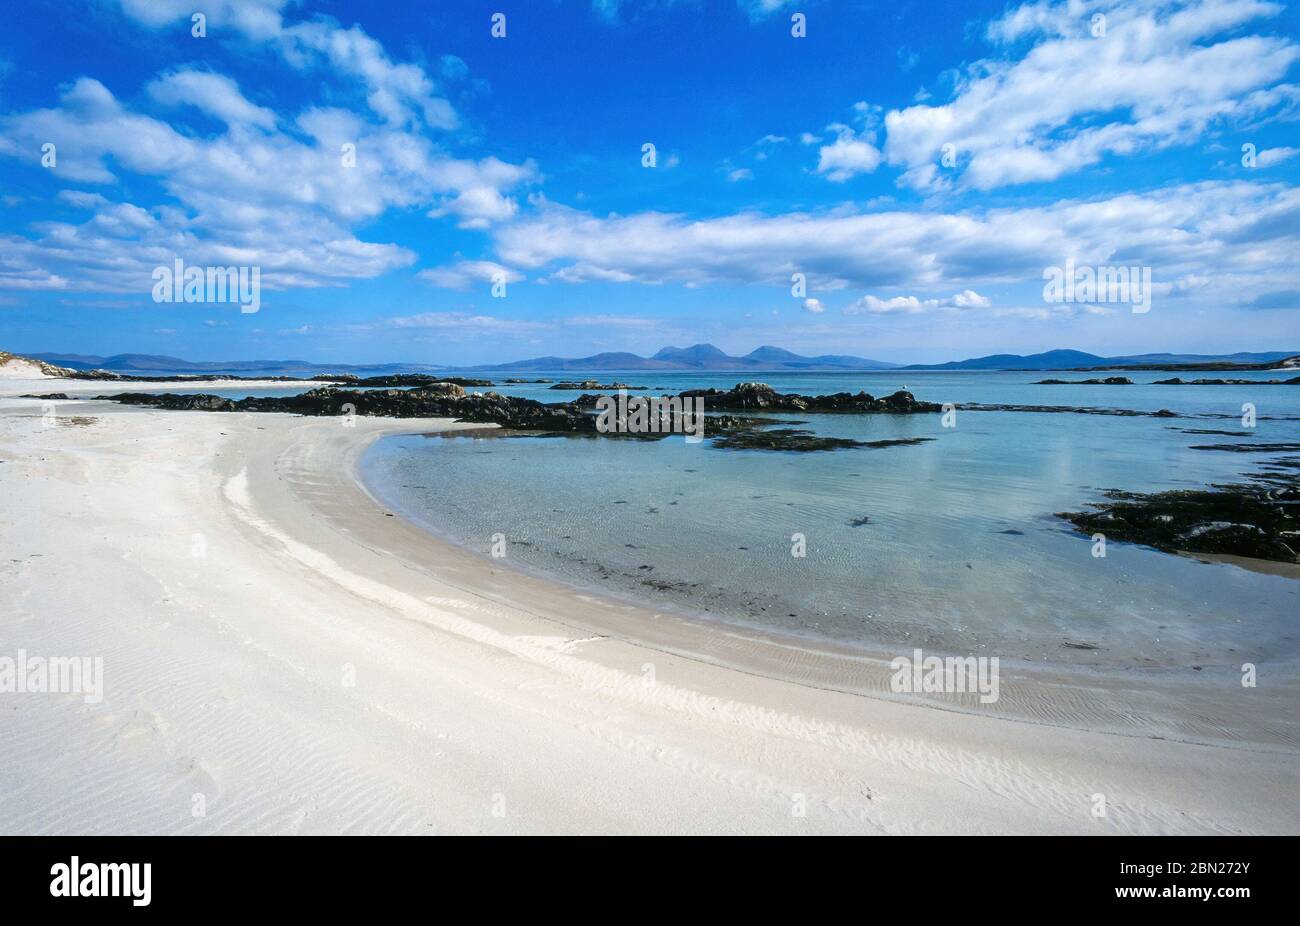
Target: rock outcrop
[(1259, 521), (762, 397), (593, 384), (447, 399)]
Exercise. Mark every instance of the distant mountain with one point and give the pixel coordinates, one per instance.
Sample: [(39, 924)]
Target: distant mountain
[(144, 364), (702, 357), (1051, 360), (1260, 361), (1078, 360), (695, 357)]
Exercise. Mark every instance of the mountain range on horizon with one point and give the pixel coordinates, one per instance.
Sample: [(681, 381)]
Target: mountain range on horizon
[(699, 357), (696, 357)]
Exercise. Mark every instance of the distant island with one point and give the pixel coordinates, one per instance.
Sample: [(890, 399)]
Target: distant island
[(1078, 360), (697, 357)]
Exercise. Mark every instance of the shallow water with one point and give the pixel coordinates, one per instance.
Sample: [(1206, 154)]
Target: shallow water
[(949, 544)]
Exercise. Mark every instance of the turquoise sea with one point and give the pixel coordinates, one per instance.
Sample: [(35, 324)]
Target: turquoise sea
[(950, 544)]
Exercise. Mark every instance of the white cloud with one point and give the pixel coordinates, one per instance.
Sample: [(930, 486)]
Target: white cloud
[(740, 173), (214, 94), (462, 322), (402, 94), (1270, 156), (761, 9), (612, 321), (1246, 231), (465, 273), (912, 305), (1157, 78), (814, 305), (851, 153), (248, 194)]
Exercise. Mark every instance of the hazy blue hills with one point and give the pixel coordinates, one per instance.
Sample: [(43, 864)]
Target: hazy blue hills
[(697, 357), (1050, 360), (1075, 359), (702, 357)]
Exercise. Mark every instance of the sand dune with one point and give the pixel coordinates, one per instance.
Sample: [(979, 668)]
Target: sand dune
[(281, 656)]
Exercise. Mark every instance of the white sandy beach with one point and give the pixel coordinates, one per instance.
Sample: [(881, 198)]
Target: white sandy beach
[(277, 643)]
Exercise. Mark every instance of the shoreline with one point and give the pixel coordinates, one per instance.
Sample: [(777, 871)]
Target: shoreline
[(718, 736), (859, 669), (874, 651)]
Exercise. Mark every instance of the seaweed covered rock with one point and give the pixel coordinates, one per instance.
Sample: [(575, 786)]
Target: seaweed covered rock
[(760, 396), (1260, 521)]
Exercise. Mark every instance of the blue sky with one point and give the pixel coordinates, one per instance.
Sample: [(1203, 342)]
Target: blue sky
[(921, 166)]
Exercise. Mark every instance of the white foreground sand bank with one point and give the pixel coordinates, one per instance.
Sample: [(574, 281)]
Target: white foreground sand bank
[(282, 655)]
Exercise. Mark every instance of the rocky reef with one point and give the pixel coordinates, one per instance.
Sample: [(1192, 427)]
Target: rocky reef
[(593, 384), (1259, 520), (447, 399), (762, 397), (1108, 381), (432, 400), (1073, 410), (799, 439)]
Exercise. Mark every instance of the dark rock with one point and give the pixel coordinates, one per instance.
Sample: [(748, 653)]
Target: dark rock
[(173, 402), (751, 396), (1249, 448), (429, 397), (594, 384), (1254, 520), (417, 380), (798, 439), (1069, 409)]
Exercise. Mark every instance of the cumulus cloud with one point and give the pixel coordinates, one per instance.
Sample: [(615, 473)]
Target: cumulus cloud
[(850, 154), (401, 93), (1161, 75), (214, 94), (1247, 231), (813, 305), (253, 193), (912, 305)]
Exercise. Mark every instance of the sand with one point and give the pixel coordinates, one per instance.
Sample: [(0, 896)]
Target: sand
[(281, 655)]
